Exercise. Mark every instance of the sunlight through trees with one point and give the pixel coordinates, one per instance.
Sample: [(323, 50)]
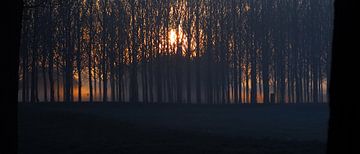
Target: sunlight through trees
[(176, 51)]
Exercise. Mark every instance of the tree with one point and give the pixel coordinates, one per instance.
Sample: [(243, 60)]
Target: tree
[(223, 52)]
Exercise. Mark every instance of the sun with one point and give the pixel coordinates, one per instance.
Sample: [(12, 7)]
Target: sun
[(172, 37), (178, 42)]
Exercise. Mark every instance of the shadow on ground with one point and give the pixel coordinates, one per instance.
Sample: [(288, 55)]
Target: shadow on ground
[(41, 130)]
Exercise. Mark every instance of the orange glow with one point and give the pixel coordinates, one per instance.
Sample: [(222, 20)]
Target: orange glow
[(179, 39), (247, 7), (172, 37)]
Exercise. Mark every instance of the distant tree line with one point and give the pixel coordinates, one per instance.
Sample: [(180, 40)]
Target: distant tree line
[(176, 51)]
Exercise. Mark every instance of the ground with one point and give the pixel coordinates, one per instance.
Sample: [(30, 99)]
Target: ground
[(154, 128)]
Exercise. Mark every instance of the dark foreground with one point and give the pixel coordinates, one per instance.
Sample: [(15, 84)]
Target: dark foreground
[(120, 128)]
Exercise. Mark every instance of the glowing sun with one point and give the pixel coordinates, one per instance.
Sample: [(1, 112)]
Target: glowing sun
[(172, 36)]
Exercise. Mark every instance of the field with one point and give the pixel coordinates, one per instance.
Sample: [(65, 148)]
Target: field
[(170, 128)]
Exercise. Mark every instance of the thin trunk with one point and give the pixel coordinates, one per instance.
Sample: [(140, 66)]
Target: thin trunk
[(89, 54), (44, 80), (104, 56), (51, 55)]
